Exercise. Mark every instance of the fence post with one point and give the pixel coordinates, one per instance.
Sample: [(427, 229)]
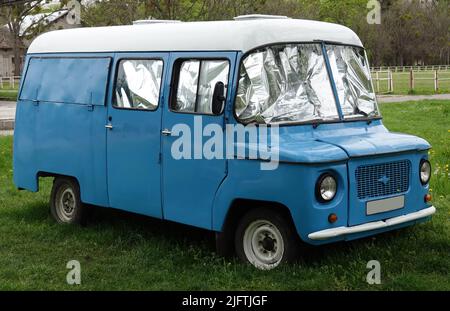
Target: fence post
[(392, 82), (436, 81), (411, 80), (377, 76)]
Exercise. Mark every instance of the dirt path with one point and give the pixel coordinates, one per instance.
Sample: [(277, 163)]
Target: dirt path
[(406, 98)]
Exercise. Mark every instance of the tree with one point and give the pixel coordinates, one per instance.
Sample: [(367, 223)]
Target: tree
[(19, 29), (124, 12)]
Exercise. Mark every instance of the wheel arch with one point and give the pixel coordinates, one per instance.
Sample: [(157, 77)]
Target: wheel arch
[(42, 174), (241, 206), (237, 209)]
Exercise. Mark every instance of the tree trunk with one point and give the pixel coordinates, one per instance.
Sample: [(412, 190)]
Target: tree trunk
[(17, 57)]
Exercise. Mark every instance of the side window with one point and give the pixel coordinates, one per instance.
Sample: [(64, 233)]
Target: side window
[(138, 84), (195, 81)]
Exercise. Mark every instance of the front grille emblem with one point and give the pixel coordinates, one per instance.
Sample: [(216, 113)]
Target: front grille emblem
[(384, 180)]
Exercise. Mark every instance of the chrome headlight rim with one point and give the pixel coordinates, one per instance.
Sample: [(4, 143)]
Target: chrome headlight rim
[(424, 163), (322, 192)]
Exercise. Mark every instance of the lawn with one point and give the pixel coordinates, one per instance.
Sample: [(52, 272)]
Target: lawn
[(120, 251), (8, 94), (423, 85)]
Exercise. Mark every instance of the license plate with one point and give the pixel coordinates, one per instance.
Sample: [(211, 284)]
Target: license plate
[(385, 205)]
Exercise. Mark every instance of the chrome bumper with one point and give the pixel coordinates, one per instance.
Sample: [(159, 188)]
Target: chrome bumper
[(340, 231)]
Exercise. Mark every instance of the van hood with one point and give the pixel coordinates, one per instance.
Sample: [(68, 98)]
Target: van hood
[(377, 143), (327, 148)]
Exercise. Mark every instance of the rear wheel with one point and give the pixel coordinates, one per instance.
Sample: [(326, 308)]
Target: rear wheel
[(65, 201), (266, 239)]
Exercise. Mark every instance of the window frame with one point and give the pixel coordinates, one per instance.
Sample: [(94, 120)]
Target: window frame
[(29, 58), (113, 98), (314, 123), (175, 82)]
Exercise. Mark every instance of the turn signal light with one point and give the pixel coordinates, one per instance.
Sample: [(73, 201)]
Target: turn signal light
[(332, 218), (428, 198)]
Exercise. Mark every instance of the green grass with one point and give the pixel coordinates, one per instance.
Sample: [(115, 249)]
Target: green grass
[(421, 87), (122, 251), (6, 94)]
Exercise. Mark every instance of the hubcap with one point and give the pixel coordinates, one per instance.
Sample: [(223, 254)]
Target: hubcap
[(65, 204), (263, 244)]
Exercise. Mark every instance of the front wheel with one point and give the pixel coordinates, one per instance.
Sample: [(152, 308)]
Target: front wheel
[(266, 238), (65, 201)]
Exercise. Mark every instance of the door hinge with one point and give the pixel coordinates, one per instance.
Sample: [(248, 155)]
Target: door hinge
[(160, 158)]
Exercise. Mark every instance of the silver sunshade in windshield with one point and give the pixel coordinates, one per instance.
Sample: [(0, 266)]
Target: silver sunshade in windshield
[(285, 83)]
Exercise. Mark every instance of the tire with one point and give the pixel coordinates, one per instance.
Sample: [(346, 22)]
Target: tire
[(65, 201), (266, 238)]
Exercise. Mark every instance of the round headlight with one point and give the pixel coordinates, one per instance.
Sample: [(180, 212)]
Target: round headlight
[(425, 172), (326, 188)]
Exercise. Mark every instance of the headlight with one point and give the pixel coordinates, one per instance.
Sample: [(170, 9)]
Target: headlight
[(326, 188), (425, 172)]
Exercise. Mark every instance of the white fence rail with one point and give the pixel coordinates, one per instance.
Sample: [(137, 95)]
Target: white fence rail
[(409, 68), (385, 80), (9, 82)]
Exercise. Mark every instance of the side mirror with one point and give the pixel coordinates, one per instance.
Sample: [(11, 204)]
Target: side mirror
[(218, 100)]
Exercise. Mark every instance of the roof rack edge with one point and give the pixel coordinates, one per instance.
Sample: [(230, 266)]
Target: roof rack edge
[(259, 16)]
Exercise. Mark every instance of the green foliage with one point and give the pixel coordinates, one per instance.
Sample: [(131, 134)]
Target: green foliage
[(411, 31)]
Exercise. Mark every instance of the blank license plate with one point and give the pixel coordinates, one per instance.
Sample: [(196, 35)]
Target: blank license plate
[(385, 205)]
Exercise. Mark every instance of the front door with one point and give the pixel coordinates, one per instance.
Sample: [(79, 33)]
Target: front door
[(192, 170), (133, 133)]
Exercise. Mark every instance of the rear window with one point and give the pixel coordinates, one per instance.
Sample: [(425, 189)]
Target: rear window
[(66, 80), (138, 84)]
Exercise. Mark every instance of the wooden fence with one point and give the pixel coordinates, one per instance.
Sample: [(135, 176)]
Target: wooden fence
[(9, 82), (388, 81), (409, 68)]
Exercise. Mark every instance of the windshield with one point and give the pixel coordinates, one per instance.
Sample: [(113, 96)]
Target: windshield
[(290, 83), (351, 73)]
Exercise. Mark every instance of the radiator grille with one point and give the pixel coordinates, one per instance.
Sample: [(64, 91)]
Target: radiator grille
[(382, 179)]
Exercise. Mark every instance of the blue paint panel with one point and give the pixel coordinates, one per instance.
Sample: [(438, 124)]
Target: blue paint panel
[(66, 80), (24, 157), (189, 186), (291, 185), (133, 149), (62, 138)]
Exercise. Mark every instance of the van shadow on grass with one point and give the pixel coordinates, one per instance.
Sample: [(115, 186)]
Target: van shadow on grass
[(122, 222)]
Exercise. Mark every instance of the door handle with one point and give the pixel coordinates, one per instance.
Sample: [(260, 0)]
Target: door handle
[(166, 132), (109, 126)]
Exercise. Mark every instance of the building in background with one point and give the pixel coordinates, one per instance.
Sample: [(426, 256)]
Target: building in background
[(55, 21)]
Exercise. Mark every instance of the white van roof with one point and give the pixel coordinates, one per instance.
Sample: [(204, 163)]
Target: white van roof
[(238, 35)]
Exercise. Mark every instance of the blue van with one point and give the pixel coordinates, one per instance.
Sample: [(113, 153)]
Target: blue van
[(102, 110)]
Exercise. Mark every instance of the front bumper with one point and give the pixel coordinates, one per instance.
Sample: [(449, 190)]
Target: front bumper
[(342, 231)]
